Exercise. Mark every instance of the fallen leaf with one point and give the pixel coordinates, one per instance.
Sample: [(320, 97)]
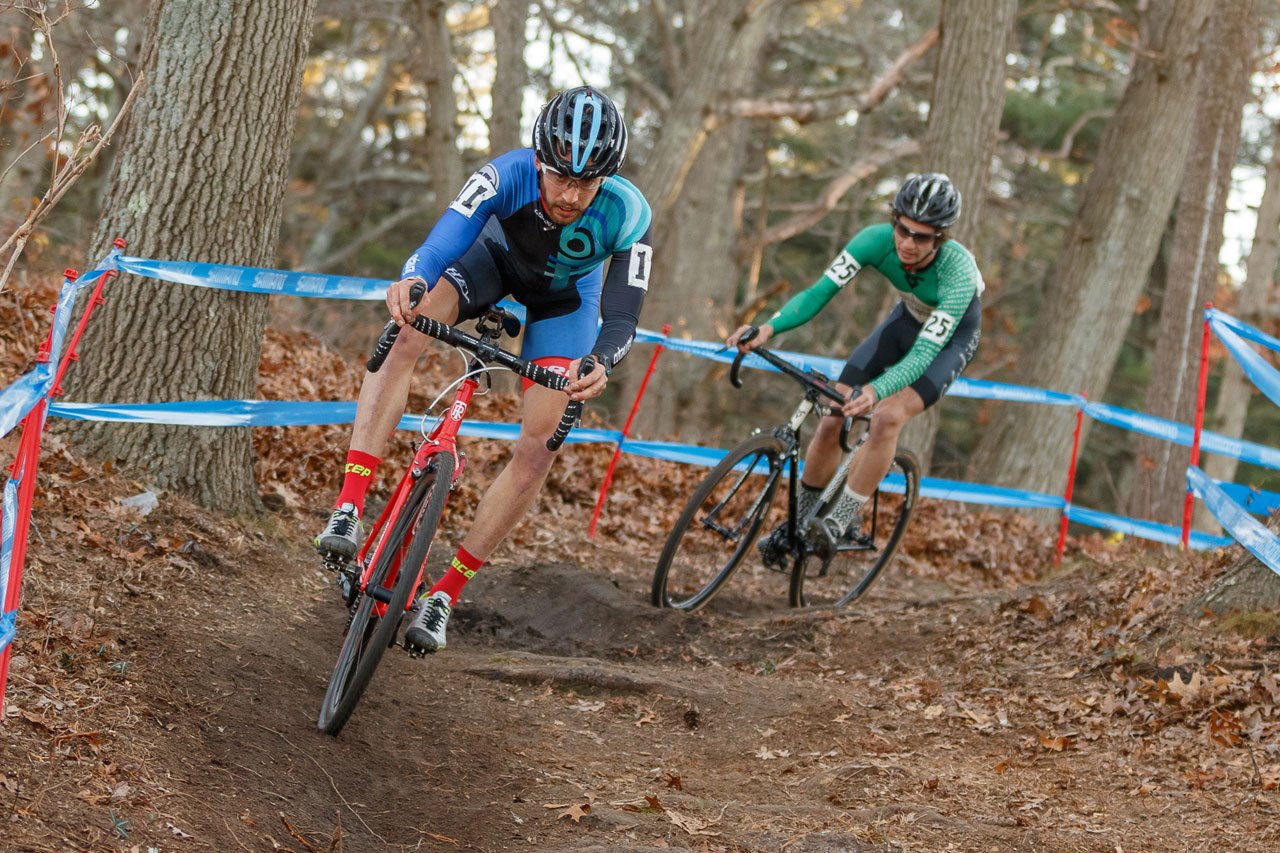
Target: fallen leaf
[(575, 812)]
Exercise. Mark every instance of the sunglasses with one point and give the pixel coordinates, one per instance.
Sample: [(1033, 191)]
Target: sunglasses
[(920, 238), (566, 182)]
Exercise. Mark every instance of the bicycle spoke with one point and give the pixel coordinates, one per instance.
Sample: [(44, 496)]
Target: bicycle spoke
[(718, 525), (865, 551)]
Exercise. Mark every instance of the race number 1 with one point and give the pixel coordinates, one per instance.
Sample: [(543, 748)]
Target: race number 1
[(641, 260)]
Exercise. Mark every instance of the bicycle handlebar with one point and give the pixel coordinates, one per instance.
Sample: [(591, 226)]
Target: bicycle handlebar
[(490, 353), (811, 379)]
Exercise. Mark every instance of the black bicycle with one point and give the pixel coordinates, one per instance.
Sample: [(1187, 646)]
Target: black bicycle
[(714, 534)]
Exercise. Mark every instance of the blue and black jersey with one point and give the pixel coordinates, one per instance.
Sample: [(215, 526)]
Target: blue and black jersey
[(496, 239)]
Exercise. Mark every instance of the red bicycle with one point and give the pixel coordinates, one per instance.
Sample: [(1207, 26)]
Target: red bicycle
[(380, 586)]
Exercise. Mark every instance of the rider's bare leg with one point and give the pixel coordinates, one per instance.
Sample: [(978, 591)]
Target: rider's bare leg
[(516, 489), (384, 395), (876, 454), (823, 455)]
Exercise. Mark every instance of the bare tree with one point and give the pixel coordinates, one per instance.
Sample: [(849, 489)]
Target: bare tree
[(1255, 295), (200, 176), (1108, 250), (434, 60), (509, 19), (964, 120), (1160, 473)]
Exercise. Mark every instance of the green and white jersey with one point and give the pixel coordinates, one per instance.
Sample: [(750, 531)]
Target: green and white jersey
[(937, 296)]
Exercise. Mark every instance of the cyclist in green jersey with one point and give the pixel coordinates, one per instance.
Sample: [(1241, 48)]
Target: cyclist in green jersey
[(906, 363)]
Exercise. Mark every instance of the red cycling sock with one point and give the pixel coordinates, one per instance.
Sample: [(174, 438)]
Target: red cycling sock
[(358, 479), (464, 567)]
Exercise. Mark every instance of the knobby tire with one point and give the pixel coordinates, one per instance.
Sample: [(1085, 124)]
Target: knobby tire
[(677, 580), (853, 571), (368, 636)]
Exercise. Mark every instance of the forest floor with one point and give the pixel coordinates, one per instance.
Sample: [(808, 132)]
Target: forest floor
[(169, 667)]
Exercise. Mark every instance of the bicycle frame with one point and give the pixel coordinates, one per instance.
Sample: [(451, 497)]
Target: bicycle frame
[(443, 439)]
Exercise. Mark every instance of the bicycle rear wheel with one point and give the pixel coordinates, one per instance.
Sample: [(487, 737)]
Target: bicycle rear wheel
[(718, 525), (369, 635), (865, 552)]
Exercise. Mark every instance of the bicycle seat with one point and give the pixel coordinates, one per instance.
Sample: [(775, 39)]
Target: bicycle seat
[(496, 322)]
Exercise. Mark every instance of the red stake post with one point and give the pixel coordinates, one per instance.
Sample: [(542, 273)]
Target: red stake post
[(626, 432), (1071, 483), (28, 458), (1195, 442)]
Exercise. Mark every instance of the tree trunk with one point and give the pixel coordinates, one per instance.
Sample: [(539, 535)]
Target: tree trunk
[(1248, 585), (438, 69), (27, 108), (693, 237), (200, 175), (509, 18), (1264, 255), (1107, 251), (1227, 61), (964, 118)]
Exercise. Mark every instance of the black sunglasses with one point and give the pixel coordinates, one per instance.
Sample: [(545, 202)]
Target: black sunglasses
[(920, 238)]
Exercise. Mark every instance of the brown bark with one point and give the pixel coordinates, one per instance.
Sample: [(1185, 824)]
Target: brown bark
[(1107, 252), (508, 19), (1159, 481), (960, 139), (1264, 255), (200, 175), (1247, 585), (437, 67), (693, 283)]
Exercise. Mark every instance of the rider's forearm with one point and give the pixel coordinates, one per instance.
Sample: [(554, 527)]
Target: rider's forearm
[(804, 306)]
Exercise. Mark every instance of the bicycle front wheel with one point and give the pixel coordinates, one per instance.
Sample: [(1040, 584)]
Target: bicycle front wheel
[(864, 552), (391, 581), (718, 525)]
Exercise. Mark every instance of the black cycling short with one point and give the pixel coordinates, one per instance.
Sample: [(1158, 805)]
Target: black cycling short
[(892, 339)]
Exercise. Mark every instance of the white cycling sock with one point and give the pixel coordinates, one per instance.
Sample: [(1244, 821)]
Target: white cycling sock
[(847, 508)]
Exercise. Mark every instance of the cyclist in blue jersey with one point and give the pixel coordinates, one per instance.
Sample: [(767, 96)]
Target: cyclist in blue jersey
[(905, 364), (536, 224)]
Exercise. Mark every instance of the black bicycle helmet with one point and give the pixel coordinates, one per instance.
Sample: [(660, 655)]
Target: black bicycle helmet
[(930, 198), (580, 133)]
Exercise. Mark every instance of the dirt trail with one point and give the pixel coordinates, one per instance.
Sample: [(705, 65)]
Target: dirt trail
[(169, 669)]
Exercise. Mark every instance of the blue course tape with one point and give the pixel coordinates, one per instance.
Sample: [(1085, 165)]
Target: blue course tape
[(22, 395), (1254, 536), (1218, 319), (255, 280), (1256, 501), (1179, 433), (1143, 529), (8, 519), (8, 628), (1263, 375)]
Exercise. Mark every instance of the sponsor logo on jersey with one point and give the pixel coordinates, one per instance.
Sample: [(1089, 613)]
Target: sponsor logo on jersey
[(459, 282), (843, 269), (543, 219), (458, 411), (481, 186), (410, 266)]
